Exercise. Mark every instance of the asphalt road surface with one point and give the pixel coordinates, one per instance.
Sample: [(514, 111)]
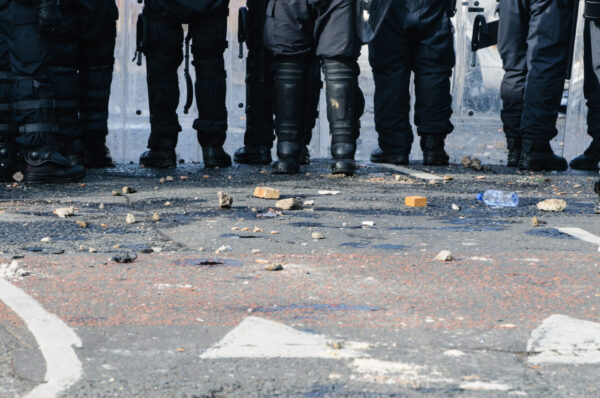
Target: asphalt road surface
[(367, 311)]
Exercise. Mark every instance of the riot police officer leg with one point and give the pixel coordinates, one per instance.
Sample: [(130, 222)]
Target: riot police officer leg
[(290, 98), (341, 88), (258, 138), (547, 55), (163, 56), (591, 88), (96, 62), (512, 45), (311, 108), (208, 45), (8, 147)]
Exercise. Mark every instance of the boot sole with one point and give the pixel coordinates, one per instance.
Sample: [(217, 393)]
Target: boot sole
[(38, 180), (253, 160), (154, 165)]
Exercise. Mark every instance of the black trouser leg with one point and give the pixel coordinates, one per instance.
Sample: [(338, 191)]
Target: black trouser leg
[(8, 147), (209, 40), (163, 57), (290, 100), (341, 86), (311, 108)]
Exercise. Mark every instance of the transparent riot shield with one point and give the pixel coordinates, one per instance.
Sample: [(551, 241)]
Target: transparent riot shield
[(476, 90), (129, 116), (574, 135)]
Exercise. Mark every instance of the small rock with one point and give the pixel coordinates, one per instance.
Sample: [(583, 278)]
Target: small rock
[(552, 205), (116, 246), (124, 258), (101, 207), (274, 232), (235, 228), (318, 235), (288, 204), (368, 223), (130, 219), (466, 161), (64, 212), (82, 224), (161, 180), (184, 178), (274, 267), (246, 229), (256, 229), (476, 164), (336, 345), (444, 255), (155, 216), (18, 176), (309, 202), (93, 250), (169, 179), (225, 200), (328, 192), (82, 248), (448, 178), (223, 249), (128, 190), (116, 193), (255, 251), (266, 193), (157, 249), (455, 207), (167, 203), (47, 239)]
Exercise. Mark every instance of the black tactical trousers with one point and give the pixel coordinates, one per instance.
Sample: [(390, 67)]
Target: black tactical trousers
[(82, 71), (163, 50), (591, 81), (415, 37), (533, 40), (26, 99)]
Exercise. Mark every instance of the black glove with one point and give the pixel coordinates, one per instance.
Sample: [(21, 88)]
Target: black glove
[(48, 16)]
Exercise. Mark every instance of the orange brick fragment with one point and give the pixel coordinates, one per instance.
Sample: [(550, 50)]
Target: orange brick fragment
[(266, 193), (415, 201)]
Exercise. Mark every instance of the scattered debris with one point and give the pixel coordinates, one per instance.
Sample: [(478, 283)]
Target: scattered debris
[(18, 176), (223, 249), (368, 223), (82, 224), (274, 232), (269, 214), (336, 345), (266, 193), (466, 161), (274, 267), (101, 206), (318, 235), (116, 193), (124, 258), (255, 251), (415, 201), (444, 255), (47, 239), (235, 228), (309, 202), (552, 205), (130, 219), (448, 178), (256, 229), (12, 270), (455, 207), (246, 229), (225, 200), (128, 190), (472, 163), (327, 192), (167, 203), (537, 222), (155, 216), (161, 180), (93, 250), (116, 246), (184, 178), (289, 204), (64, 212), (169, 179), (261, 261), (157, 249)]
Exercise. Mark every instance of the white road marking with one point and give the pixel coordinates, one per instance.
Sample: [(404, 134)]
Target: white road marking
[(404, 374), (260, 338), (580, 234), (565, 340), (484, 386), (55, 339), (415, 173)]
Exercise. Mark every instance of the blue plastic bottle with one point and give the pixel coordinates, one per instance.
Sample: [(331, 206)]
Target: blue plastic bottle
[(499, 198)]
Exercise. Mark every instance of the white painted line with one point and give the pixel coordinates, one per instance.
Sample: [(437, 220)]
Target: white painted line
[(260, 338), (415, 173), (55, 340), (484, 386), (565, 340), (580, 234)]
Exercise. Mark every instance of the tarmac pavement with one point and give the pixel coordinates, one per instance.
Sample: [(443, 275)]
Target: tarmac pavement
[(365, 312)]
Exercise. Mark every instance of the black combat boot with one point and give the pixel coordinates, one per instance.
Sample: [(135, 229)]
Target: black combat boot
[(538, 156), (434, 154), (378, 156), (590, 158), (162, 152), (290, 96), (95, 153), (253, 154), (45, 165), (8, 157), (342, 95), (597, 190), (515, 151)]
